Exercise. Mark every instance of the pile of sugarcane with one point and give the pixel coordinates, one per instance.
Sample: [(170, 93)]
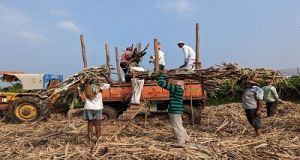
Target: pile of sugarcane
[(99, 74), (214, 77)]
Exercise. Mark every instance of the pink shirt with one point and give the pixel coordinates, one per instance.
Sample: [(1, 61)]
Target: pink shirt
[(125, 57)]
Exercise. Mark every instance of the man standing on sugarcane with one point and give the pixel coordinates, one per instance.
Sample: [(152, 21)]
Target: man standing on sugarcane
[(189, 54), (271, 97), (161, 58), (125, 59), (175, 109), (252, 103)]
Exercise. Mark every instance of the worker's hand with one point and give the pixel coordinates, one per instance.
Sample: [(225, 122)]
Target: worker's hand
[(281, 101), (79, 92), (258, 113), (182, 66), (78, 89)]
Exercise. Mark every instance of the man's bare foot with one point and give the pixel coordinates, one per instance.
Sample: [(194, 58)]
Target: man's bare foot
[(178, 145), (257, 135), (89, 138), (98, 141), (257, 132), (188, 140)]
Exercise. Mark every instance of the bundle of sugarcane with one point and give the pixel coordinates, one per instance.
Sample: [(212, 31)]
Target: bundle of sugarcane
[(215, 76), (137, 53), (99, 74)]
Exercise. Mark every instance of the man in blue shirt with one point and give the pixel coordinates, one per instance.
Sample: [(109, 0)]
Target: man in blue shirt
[(252, 103)]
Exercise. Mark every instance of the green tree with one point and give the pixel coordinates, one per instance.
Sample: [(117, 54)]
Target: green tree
[(15, 87)]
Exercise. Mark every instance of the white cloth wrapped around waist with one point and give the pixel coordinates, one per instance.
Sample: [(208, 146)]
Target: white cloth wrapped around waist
[(190, 61), (190, 64)]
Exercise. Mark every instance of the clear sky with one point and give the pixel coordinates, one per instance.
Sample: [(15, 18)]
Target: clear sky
[(42, 36)]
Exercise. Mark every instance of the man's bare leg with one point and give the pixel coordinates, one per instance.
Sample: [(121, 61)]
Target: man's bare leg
[(257, 132), (98, 128), (90, 130)]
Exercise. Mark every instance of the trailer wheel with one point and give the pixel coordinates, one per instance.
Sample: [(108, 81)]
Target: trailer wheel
[(61, 106), (109, 113), (187, 116), (28, 109)]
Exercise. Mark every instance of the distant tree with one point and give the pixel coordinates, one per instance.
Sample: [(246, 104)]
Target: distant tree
[(290, 89), (17, 87), (230, 91)]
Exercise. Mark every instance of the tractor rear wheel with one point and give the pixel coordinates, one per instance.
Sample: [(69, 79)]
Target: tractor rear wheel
[(28, 109), (109, 113)]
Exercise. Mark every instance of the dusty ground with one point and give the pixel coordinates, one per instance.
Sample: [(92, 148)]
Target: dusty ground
[(224, 134)]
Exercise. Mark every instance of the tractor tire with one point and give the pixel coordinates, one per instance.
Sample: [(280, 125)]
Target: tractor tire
[(187, 116), (109, 113), (28, 109)]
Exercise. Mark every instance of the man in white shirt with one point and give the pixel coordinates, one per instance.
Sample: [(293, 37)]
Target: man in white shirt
[(93, 106), (161, 58), (189, 54)]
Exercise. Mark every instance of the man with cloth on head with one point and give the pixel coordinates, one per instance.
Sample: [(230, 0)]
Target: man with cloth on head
[(271, 97), (125, 62), (93, 106), (252, 103), (125, 58), (189, 54)]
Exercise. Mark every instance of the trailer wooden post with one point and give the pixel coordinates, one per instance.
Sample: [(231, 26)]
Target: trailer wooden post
[(83, 51), (118, 64), (198, 63), (107, 57), (156, 65)]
